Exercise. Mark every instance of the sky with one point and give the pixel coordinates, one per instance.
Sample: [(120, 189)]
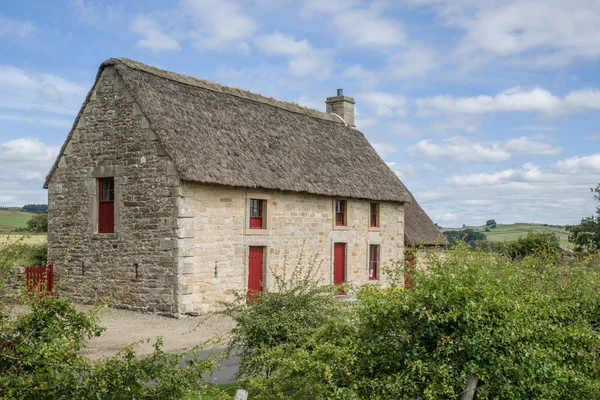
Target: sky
[(485, 109)]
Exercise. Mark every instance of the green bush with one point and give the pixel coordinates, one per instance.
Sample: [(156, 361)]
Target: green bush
[(283, 316), (40, 354), (534, 243), (526, 328), (19, 253)]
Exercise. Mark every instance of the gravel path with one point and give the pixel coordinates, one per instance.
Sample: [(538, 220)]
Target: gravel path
[(125, 327)]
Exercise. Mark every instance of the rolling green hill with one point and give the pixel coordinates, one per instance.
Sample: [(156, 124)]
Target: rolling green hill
[(513, 231), (10, 220)]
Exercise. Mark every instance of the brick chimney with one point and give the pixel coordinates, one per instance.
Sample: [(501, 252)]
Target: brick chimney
[(342, 106)]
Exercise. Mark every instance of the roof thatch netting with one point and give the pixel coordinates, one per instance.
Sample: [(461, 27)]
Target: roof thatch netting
[(419, 229), (222, 135)]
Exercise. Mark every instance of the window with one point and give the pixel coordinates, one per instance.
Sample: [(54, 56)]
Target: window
[(340, 212), (374, 215), (373, 261), (106, 205), (256, 214)]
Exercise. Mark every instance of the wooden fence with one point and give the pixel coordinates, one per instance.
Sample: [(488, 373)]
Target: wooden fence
[(39, 280)]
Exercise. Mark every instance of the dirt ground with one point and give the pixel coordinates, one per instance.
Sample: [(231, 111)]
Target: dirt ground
[(125, 327)]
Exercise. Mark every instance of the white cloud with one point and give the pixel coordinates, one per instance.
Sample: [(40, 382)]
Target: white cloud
[(303, 58), (465, 150), (384, 149), (365, 28), (18, 28), (515, 99), (26, 158), (385, 104), (37, 93), (404, 130), (579, 165), (220, 25), (153, 38), (416, 61), (520, 32), (404, 171), (460, 149), (546, 128), (525, 145), (593, 136), (95, 12)]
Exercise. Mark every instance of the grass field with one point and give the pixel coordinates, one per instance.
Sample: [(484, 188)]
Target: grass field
[(11, 219), (504, 233), (28, 238)]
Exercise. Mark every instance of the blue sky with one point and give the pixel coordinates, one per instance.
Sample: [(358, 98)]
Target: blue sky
[(485, 109)]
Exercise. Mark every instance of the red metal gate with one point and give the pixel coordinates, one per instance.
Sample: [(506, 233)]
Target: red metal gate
[(339, 264), (255, 273), (39, 280)]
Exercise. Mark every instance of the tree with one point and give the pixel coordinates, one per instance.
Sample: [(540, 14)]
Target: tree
[(38, 223), (491, 223), (35, 208), (586, 235)]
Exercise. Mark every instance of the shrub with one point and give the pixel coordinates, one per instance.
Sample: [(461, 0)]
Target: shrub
[(540, 243), (525, 328), (40, 359)]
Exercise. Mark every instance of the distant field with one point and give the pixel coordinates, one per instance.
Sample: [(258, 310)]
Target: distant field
[(504, 233), (10, 219), (31, 239)]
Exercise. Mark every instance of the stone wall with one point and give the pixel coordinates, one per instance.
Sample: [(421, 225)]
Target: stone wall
[(213, 236), (113, 139)]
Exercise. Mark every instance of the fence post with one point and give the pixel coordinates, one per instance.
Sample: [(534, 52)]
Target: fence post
[(469, 391)]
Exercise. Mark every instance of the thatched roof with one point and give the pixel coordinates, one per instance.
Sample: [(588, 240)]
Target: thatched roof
[(419, 229), (222, 135)]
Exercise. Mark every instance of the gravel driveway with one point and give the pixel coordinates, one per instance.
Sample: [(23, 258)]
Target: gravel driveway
[(125, 327)]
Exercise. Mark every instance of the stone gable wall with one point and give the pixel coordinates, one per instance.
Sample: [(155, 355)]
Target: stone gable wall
[(138, 261), (213, 236)]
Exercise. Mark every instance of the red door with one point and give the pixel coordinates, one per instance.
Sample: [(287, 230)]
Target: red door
[(339, 264), (255, 272)]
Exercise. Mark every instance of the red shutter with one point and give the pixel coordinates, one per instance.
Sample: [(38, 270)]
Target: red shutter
[(255, 272), (340, 212), (339, 264), (374, 212), (373, 261), (256, 214), (106, 205)]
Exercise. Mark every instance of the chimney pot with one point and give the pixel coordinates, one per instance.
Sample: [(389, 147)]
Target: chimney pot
[(340, 92)]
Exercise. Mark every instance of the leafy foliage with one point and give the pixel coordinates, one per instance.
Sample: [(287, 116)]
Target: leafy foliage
[(491, 223), (286, 315), (40, 356), (21, 253), (38, 223), (468, 236), (586, 235), (540, 243), (527, 328), (35, 208)]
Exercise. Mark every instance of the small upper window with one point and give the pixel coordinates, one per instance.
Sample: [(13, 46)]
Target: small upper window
[(374, 215), (106, 205), (373, 261), (256, 214), (340, 212)]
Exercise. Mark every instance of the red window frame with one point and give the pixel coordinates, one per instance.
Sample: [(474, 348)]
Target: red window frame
[(340, 212), (373, 262), (256, 213), (106, 205), (374, 215)]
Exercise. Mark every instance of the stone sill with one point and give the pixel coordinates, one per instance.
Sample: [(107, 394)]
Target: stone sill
[(374, 229), (257, 232), (97, 235), (342, 228)]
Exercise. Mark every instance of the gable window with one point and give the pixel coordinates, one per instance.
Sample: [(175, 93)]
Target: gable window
[(106, 205), (340, 212), (374, 215), (257, 214), (373, 261)]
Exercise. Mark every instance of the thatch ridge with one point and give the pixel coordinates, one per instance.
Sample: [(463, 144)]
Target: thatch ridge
[(209, 85), (419, 229)]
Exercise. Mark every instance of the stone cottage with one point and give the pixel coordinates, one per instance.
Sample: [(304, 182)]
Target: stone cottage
[(179, 192)]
